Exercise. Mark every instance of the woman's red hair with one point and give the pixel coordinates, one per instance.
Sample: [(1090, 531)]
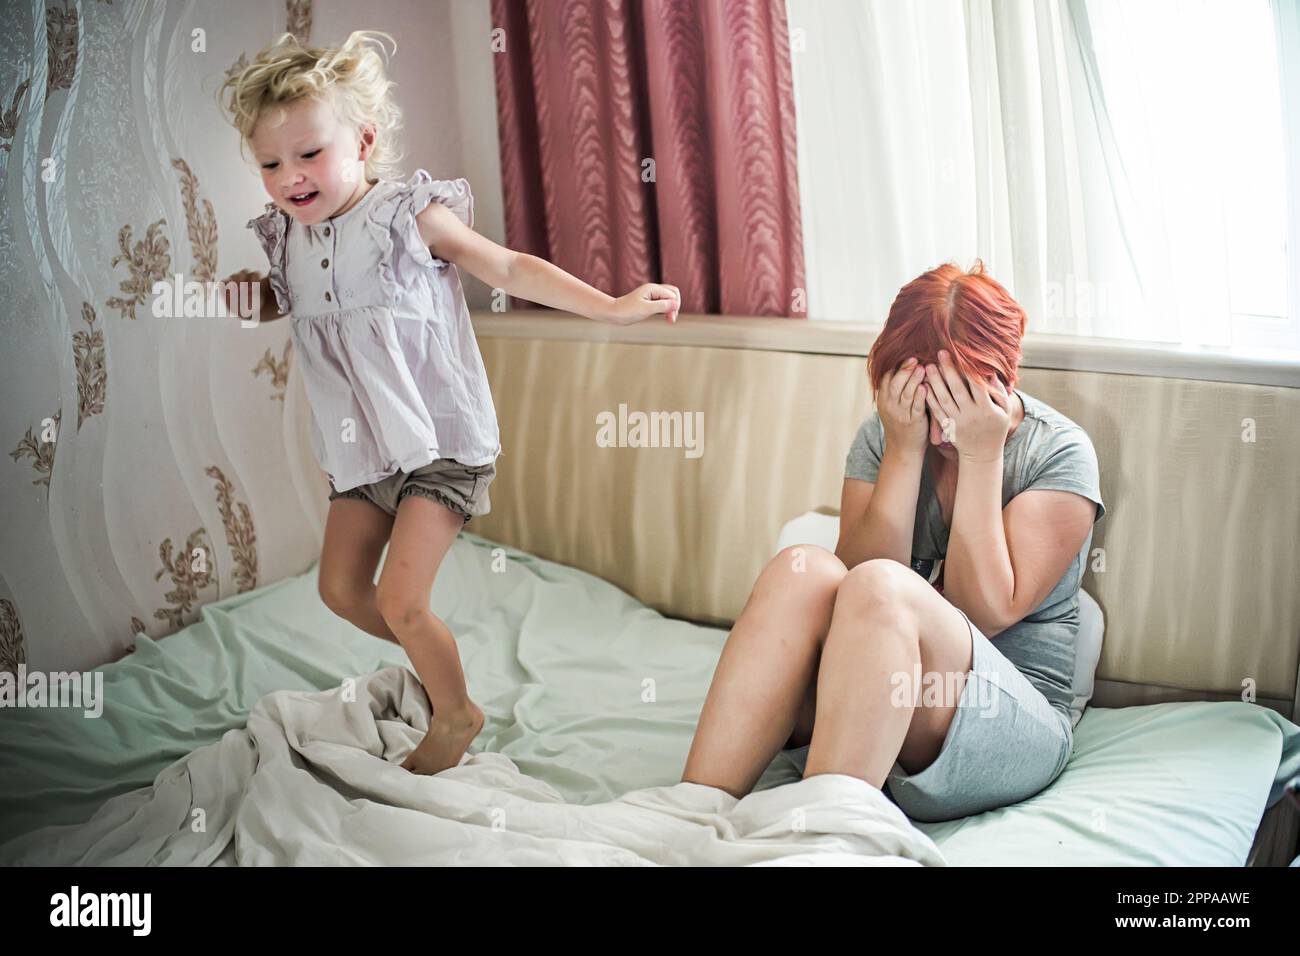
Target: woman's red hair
[(967, 313)]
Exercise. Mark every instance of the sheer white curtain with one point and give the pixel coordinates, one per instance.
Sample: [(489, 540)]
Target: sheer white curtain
[(1095, 154)]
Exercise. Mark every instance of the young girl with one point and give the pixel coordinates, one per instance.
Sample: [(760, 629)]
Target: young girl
[(403, 421)]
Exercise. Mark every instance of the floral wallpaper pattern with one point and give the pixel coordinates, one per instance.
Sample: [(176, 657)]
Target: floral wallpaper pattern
[(118, 173)]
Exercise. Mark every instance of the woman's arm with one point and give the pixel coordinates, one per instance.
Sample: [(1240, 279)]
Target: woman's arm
[(876, 519), (1001, 563), (534, 279), (1036, 537)]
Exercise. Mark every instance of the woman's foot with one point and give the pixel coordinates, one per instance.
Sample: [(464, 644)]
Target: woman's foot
[(448, 738)]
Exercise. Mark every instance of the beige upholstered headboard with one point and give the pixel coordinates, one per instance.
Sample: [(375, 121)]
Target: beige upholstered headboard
[(1201, 543)]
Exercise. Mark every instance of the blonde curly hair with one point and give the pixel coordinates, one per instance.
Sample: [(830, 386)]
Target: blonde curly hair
[(353, 73)]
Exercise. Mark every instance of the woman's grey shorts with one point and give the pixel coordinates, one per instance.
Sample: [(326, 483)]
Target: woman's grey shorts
[(462, 488), (1005, 744)]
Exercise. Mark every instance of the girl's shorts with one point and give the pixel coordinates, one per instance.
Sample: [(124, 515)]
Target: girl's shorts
[(1005, 744), (462, 488)]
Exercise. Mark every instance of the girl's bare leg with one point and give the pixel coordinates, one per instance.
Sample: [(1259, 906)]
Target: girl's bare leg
[(887, 621), (355, 534), (767, 666), (422, 534)]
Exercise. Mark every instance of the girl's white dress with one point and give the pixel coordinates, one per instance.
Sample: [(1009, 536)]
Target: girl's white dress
[(382, 334)]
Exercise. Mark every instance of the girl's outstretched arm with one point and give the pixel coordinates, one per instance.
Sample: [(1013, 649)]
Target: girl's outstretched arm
[(537, 280)]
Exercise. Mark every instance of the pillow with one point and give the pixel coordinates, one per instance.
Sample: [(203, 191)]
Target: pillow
[(823, 530), (1087, 652), (812, 528)]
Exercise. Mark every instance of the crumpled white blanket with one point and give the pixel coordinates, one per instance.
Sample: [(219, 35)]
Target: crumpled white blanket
[(315, 779)]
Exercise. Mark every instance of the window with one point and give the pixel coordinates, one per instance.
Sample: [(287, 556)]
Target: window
[(1194, 97)]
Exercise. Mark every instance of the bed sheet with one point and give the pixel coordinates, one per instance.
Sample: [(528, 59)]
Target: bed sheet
[(593, 694)]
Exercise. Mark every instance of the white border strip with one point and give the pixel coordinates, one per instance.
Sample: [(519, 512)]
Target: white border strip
[(1112, 356)]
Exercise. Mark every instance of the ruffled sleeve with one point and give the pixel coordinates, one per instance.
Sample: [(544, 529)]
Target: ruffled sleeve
[(271, 228), (394, 219)]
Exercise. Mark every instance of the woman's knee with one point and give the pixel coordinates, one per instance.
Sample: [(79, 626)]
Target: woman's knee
[(881, 586), (802, 568), (880, 579)]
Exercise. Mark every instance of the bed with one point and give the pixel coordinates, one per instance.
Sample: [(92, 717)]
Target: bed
[(591, 605), (559, 660)]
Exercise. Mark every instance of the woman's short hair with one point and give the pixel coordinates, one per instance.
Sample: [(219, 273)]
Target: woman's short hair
[(967, 313)]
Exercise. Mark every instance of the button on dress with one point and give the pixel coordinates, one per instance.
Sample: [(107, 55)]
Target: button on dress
[(382, 334)]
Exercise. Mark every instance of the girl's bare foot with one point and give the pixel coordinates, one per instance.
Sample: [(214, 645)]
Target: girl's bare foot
[(448, 738)]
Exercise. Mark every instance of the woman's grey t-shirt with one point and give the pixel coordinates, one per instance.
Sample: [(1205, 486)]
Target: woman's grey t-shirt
[(1046, 452)]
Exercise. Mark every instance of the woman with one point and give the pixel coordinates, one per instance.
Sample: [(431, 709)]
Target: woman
[(933, 652)]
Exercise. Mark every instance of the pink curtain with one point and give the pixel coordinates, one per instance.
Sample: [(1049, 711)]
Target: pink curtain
[(654, 141)]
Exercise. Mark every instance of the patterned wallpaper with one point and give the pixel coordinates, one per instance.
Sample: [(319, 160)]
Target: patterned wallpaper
[(154, 463)]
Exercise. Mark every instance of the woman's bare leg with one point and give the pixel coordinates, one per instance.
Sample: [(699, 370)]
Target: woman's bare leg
[(887, 622), (355, 534), (765, 671)]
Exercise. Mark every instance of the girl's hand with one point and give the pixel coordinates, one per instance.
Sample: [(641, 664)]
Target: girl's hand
[(230, 289), (901, 405), (645, 301), (975, 416)]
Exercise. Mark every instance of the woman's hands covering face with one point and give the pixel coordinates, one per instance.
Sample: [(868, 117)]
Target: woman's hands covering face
[(901, 404), (974, 416)]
